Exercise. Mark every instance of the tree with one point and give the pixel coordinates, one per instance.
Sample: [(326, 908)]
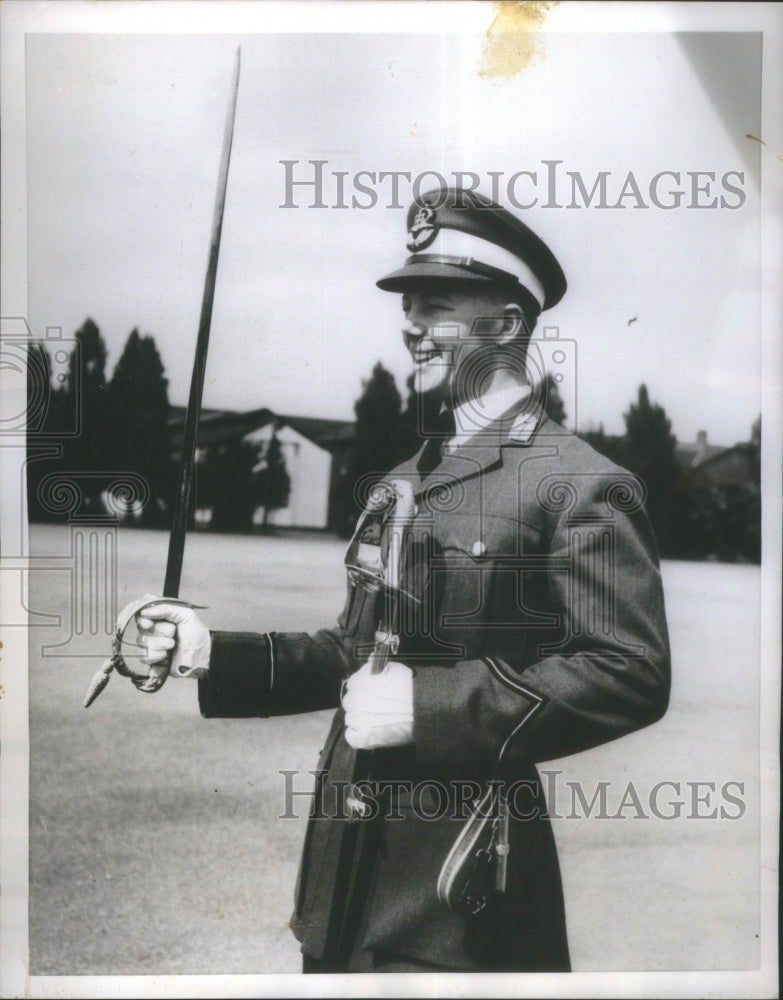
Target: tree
[(42, 417), (755, 450), (552, 400), (650, 454), (378, 420), (380, 437), (39, 388), (139, 403), (226, 484), (609, 445), (272, 485), (86, 394)]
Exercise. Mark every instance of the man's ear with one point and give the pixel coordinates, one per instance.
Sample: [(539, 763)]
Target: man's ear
[(513, 323)]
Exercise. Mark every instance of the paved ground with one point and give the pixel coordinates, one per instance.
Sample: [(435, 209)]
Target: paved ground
[(153, 834)]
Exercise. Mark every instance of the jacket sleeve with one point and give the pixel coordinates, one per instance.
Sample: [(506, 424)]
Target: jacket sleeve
[(607, 674), (255, 675)]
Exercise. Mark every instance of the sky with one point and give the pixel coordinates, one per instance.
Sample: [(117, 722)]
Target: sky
[(124, 135)]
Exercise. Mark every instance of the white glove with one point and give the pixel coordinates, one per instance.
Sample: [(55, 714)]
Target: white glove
[(170, 632), (379, 707)]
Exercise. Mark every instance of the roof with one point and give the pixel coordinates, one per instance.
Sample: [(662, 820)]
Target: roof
[(326, 433), (216, 426), (743, 448), (695, 453)]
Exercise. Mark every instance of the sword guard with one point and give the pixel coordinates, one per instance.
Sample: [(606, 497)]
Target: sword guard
[(148, 683)]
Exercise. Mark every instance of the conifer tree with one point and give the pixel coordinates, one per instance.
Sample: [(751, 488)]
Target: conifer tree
[(272, 482), (650, 453), (85, 394), (139, 414)]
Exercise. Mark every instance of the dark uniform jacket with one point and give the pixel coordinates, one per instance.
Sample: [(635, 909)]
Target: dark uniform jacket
[(541, 628)]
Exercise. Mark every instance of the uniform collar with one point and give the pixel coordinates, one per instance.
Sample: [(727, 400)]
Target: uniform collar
[(493, 415), (503, 418)]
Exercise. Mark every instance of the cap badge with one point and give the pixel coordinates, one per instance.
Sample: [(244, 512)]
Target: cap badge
[(423, 230)]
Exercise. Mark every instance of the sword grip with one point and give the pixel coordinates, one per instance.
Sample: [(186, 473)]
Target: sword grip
[(386, 645), (501, 843)]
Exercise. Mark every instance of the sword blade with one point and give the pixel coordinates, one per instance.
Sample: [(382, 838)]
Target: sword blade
[(184, 495)]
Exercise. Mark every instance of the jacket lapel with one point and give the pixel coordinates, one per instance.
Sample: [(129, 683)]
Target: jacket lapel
[(470, 458), (473, 458)]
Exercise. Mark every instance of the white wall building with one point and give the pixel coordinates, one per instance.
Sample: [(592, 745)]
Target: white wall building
[(314, 450), (309, 467)]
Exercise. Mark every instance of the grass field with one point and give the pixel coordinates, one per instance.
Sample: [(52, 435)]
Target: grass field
[(154, 842)]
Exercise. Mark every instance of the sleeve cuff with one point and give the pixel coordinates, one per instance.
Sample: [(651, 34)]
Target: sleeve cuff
[(238, 684), (467, 716)]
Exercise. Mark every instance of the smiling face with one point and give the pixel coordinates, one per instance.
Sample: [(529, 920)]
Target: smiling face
[(453, 331)]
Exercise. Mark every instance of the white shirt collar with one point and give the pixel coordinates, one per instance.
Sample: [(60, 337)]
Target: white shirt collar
[(476, 415)]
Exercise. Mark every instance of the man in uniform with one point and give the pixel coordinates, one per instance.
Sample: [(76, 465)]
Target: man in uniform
[(531, 625)]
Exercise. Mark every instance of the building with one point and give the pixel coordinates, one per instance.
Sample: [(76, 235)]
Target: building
[(315, 453), (715, 465), (691, 455)]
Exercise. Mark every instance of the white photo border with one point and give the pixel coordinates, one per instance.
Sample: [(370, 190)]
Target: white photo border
[(204, 16)]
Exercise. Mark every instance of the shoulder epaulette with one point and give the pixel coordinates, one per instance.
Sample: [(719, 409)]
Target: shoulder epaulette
[(523, 427)]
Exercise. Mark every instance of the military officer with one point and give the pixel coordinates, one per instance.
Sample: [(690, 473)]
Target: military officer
[(534, 628)]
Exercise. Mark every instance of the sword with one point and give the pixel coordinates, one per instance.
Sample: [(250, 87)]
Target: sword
[(185, 488), (390, 511), (153, 682)]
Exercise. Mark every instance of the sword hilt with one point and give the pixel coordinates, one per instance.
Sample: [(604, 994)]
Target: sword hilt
[(149, 683)]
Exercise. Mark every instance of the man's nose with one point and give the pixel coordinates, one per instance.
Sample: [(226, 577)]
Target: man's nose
[(412, 330)]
